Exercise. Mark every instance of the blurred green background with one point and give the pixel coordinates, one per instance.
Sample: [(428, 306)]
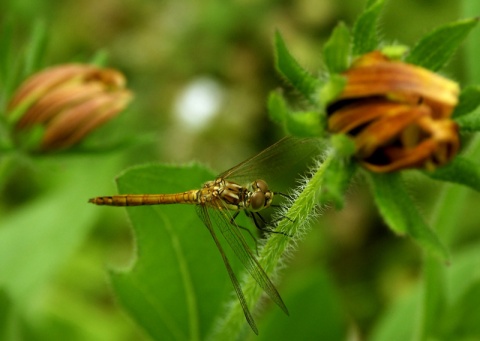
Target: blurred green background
[(201, 73)]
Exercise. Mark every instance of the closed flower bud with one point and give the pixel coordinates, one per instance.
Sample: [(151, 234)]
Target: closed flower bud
[(398, 114), (69, 101)]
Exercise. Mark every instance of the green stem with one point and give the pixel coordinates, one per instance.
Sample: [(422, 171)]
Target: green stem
[(233, 325)]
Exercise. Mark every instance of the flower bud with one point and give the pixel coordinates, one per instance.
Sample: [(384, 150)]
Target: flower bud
[(398, 114), (68, 101)]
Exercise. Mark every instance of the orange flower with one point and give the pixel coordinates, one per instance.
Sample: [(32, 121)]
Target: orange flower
[(69, 101), (398, 114)]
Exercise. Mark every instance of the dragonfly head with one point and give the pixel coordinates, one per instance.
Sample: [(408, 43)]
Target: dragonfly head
[(260, 196)]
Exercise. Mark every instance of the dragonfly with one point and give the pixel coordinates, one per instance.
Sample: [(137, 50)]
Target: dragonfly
[(218, 202)]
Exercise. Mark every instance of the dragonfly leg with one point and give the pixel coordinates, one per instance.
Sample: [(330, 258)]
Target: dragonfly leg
[(256, 215), (234, 223), (288, 196), (276, 221)]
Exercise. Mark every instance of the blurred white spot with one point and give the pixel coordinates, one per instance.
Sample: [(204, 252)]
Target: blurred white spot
[(199, 101)]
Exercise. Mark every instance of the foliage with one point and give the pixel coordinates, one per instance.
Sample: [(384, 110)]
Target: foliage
[(165, 240), (169, 278), (392, 199)]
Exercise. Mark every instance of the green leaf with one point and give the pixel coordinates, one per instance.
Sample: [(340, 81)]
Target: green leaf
[(8, 62), (435, 49), (343, 144), (305, 124), (468, 101), (433, 297), (461, 171), (299, 124), (365, 36), (289, 68), (178, 284), (465, 115), (336, 52), (331, 90), (394, 52), (399, 321), (16, 64), (399, 212), (277, 108), (39, 237), (469, 123), (464, 272), (472, 48), (36, 48), (461, 316), (100, 58)]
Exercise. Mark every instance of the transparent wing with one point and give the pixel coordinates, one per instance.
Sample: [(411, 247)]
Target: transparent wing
[(286, 158), (203, 214), (222, 218)]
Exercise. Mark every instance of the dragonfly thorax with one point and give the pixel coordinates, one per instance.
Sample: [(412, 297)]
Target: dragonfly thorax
[(235, 197)]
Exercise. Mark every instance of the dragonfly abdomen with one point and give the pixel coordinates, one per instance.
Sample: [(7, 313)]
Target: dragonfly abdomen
[(189, 197)]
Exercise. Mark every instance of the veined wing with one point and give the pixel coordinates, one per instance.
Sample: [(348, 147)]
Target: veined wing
[(203, 214), (281, 157), (222, 217)]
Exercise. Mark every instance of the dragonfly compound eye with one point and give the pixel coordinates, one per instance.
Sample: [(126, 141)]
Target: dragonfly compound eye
[(261, 186), (257, 201)]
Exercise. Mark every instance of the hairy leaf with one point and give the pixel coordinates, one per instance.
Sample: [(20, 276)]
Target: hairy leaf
[(401, 215), (435, 49), (365, 35), (299, 124), (289, 68), (336, 52), (468, 101), (461, 171), (277, 108), (469, 123)]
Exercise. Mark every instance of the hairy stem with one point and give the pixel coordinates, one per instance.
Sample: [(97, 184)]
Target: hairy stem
[(233, 325)]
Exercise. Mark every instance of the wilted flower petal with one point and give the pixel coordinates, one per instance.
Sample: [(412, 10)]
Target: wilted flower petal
[(397, 113)]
